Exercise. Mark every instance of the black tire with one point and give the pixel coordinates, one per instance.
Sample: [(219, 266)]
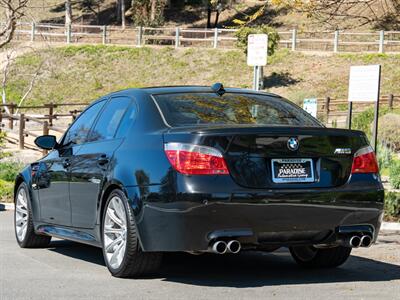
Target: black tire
[(31, 239), (310, 257), (135, 262)]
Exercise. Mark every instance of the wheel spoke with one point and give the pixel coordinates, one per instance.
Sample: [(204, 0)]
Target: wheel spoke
[(111, 230), (113, 217), (110, 247)]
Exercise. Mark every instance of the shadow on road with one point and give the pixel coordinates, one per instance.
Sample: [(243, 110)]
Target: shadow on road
[(252, 269)]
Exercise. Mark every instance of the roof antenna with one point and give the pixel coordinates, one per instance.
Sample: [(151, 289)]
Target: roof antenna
[(218, 88)]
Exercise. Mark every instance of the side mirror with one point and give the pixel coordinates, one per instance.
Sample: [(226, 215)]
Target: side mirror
[(46, 142)]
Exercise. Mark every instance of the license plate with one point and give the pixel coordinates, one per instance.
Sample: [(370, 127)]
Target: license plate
[(292, 170)]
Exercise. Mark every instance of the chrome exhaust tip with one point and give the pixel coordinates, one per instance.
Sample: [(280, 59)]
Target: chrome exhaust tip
[(366, 241), (234, 246), (355, 241), (219, 247)]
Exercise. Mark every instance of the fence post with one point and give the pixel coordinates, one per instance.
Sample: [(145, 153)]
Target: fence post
[(336, 42), (139, 36), (21, 131), (68, 33), (45, 132), (177, 37), (33, 31), (215, 37), (327, 103), (11, 120), (51, 113), (294, 39), (1, 120), (104, 35), (381, 40), (390, 101)]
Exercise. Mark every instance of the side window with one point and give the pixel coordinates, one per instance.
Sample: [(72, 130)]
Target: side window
[(77, 133), (128, 119), (110, 119)]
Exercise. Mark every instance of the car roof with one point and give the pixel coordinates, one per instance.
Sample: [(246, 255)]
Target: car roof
[(156, 90)]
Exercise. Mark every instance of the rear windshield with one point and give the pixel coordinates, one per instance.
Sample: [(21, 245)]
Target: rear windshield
[(185, 109)]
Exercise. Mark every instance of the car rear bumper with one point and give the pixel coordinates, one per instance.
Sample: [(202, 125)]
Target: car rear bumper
[(255, 219)]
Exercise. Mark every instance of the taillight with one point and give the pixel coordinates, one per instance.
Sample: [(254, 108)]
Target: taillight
[(192, 159), (364, 161)]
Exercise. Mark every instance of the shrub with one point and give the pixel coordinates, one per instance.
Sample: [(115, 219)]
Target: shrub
[(243, 33), (385, 156), (364, 119), (394, 174), (6, 190), (392, 204), (9, 170), (389, 131)]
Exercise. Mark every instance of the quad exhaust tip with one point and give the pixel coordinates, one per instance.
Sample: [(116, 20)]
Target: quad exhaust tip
[(355, 241), (219, 247), (366, 241), (234, 246)]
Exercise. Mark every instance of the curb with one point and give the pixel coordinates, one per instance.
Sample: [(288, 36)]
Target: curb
[(392, 226), (6, 206)]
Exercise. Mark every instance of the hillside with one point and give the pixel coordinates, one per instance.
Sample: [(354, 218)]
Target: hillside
[(190, 13), (83, 73)]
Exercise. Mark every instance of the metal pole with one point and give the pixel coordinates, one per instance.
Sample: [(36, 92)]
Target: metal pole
[(381, 40), (336, 42), (294, 39), (33, 31), (215, 37), (349, 114), (176, 37), (104, 34), (256, 79), (376, 116)]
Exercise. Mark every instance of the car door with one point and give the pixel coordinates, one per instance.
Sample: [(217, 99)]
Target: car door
[(52, 179), (93, 160)]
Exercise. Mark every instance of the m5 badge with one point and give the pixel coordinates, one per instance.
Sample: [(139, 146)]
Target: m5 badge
[(342, 151)]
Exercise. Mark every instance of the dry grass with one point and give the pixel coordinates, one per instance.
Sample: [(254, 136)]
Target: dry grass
[(83, 73)]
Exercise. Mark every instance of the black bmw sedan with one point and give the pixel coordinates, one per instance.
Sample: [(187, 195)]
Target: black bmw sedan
[(201, 169)]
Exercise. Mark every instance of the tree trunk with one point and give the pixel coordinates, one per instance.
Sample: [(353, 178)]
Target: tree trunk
[(118, 10), (209, 16), (68, 12), (216, 19), (153, 10), (123, 14)]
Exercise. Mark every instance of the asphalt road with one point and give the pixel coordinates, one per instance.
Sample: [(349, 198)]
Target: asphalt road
[(69, 270)]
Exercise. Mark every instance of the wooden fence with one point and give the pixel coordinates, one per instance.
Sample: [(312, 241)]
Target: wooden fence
[(337, 41), (26, 121), (333, 112)]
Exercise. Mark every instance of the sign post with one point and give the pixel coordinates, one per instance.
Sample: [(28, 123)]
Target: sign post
[(364, 86), (257, 52)]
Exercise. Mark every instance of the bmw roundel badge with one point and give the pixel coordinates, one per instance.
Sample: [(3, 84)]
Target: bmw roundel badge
[(293, 144)]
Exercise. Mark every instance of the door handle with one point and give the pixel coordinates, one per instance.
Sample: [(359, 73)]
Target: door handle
[(103, 160), (66, 163)]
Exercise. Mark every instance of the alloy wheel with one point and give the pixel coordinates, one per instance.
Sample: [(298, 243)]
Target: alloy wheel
[(115, 232), (21, 214)]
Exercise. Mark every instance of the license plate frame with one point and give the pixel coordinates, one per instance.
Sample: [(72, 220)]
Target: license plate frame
[(290, 177)]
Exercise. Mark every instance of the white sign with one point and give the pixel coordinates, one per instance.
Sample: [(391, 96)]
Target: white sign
[(310, 106), (364, 83), (257, 49)]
